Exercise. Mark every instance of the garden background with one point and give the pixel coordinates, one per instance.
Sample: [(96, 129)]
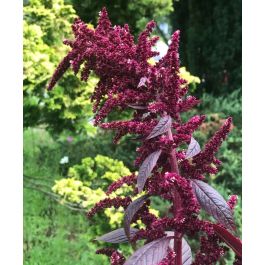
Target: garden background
[(66, 160)]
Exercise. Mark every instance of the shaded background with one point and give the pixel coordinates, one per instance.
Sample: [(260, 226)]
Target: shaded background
[(67, 162)]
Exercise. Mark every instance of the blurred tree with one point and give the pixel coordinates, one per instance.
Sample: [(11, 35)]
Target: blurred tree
[(211, 41), (46, 24), (135, 13)]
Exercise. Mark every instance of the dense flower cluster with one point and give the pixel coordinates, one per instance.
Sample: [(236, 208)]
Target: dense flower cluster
[(232, 201), (168, 259), (129, 180), (107, 203), (210, 251), (116, 258), (127, 80)]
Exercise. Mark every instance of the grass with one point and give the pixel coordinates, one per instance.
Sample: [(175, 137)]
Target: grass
[(53, 234)]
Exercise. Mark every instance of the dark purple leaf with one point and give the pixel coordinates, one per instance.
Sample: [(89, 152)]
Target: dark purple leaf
[(142, 82), (136, 106), (186, 253), (163, 125), (151, 253), (186, 250), (193, 148), (117, 236), (232, 241), (146, 169), (213, 203), (131, 211)]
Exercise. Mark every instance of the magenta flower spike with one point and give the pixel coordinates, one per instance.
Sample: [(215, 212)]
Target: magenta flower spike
[(158, 96)]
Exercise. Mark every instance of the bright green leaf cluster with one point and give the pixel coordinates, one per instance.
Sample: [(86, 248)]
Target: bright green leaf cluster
[(75, 191), (99, 172), (87, 182), (191, 79), (188, 76), (46, 25)]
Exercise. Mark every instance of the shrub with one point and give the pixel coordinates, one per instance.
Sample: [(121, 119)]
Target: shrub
[(45, 25)]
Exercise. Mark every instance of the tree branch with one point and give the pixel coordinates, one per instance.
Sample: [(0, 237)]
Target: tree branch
[(55, 197)]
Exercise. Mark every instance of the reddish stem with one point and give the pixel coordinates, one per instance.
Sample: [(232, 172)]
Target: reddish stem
[(176, 205)]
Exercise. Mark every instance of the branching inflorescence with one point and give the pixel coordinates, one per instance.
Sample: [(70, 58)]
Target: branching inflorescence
[(158, 96)]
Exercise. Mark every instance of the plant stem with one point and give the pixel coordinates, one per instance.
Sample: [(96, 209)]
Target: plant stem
[(176, 205)]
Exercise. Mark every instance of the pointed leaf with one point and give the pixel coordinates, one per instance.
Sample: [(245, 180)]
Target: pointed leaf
[(151, 253), (193, 148), (136, 106), (186, 253), (232, 241), (163, 125), (186, 250), (146, 169), (142, 82), (131, 211), (213, 203), (117, 236)]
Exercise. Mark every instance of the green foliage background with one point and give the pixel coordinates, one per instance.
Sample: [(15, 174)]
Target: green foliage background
[(67, 107), (211, 41), (57, 124), (134, 13)]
